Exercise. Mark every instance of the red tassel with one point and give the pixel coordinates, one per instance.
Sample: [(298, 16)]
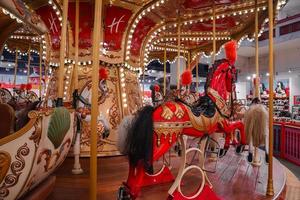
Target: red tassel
[(230, 51), (23, 87), (103, 73), (156, 88), (186, 78), (28, 86)]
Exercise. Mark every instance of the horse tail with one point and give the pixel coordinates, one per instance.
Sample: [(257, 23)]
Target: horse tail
[(139, 140), (122, 132)]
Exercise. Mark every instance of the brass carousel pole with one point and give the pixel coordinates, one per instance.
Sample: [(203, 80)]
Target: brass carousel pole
[(189, 60), (165, 70), (16, 67), (178, 55), (94, 109), (213, 57), (76, 167), (75, 69), (214, 34), (143, 81), (270, 189), (256, 160), (197, 75), (62, 54), (40, 85), (28, 64), (257, 93)]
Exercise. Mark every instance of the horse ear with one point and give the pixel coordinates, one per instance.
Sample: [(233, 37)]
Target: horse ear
[(230, 51)]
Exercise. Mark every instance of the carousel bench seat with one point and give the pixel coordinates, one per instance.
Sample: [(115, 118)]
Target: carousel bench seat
[(7, 118)]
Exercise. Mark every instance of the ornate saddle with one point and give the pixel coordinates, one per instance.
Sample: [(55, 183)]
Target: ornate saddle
[(204, 106)]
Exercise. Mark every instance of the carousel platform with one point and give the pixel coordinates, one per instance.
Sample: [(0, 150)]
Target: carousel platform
[(234, 178)]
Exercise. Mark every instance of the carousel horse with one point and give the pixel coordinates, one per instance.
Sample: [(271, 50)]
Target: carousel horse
[(280, 89), (5, 95), (256, 126), (156, 95), (85, 97), (153, 131), (103, 125)]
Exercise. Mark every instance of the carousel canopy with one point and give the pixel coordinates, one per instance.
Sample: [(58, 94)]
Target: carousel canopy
[(133, 32)]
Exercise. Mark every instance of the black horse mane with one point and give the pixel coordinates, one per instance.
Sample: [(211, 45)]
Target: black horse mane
[(139, 142)]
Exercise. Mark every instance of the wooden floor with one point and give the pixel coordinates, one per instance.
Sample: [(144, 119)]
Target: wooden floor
[(234, 179)]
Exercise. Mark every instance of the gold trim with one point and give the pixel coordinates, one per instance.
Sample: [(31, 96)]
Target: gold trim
[(166, 112), (33, 115), (171, 125), (179, 111), (220, 103)]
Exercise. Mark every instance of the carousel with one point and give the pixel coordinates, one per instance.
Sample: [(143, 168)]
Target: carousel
[(76, 95)]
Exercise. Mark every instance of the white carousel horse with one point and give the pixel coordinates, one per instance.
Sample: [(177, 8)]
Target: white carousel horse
[(256, 127)]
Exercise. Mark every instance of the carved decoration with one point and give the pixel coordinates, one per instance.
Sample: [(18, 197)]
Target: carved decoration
[(5, 161), (36, 135), (114, 116), (167, 132), (220, 102), (49, 156), (166, 112), (179, 111), (16, 170), (86, 135)]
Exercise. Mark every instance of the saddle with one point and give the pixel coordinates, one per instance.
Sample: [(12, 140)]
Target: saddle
[(204, 106)]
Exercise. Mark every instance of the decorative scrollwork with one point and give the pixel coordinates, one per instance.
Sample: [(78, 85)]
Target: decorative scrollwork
[(49, 155), (114, 117), (36, 135), (16, 170)]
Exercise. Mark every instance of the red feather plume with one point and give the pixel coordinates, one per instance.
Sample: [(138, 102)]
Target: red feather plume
[(28, 86), (186, 78), (156, 88), (103, 73), (0, 85), (230, 51), (22, 86)]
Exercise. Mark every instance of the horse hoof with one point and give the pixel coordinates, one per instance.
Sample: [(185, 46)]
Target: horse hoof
[(250, 157), (222, 152), (123, 194), (239, 149)]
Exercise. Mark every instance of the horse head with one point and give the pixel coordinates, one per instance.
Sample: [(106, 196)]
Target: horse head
[(220, 84)]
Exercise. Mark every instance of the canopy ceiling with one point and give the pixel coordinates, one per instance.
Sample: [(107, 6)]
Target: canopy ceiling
[(136, 31)]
